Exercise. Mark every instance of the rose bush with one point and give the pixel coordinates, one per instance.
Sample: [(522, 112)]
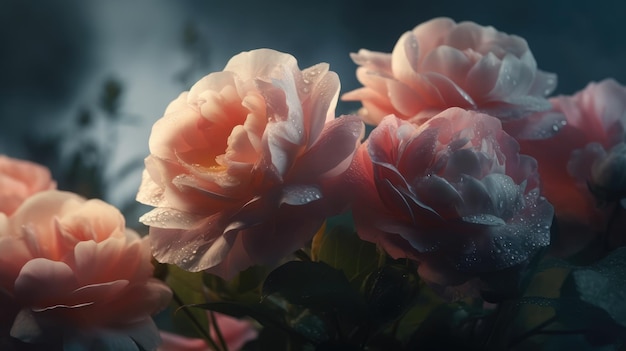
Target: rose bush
[(452, 194), (20, 179), (77, 276), (441, 64), (245, 167)]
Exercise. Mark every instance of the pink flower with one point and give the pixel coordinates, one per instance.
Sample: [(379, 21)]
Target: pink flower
[(245, 166), (235, 332), (452, 194), (19, 180), (441, 64), (585, 152), (77, 274)]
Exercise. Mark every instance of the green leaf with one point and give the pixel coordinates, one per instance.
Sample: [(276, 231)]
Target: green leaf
[(448, 327), (341, 248), (188, 287), (312, 284), (603, 285), (244, 286), (425, 302), (389, 292), (311, 326), (587, 303)]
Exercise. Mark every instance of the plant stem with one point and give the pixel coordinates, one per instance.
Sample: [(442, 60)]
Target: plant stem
[(303, 256), (216, 327), (533, 331), (195, 322)]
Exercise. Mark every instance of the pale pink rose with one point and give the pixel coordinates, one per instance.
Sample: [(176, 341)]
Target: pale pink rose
[(585, 153), (235, 332), (246, 166), (77, 274), (452, 194), (20, 179), (441, 64)]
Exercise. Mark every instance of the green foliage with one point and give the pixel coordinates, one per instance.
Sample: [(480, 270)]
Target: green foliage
[(576, 305), (360, 299), (313, 285), (341, 248), (449, 327), (188, 289), (603, 285), (390, 291)]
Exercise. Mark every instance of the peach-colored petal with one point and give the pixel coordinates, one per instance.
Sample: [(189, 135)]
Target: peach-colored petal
[(98, 262), (405, 58), (332, 154), (93, 220), (320, 105), (14, 253), (33, 285), (432, 33), (194, 249), (20, 179)]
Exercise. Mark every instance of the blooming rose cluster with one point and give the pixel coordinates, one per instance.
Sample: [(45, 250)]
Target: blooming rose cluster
[(246, 166), (463, 173), (458, 191)]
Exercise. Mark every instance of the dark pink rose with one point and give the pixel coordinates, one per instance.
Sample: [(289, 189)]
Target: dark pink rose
[(244, 167), (595, 123), (441, 64), (20, 179), (452, 194), (583, 165), (76, 274)]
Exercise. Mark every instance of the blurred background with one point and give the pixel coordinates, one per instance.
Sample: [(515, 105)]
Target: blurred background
[(82, 82)]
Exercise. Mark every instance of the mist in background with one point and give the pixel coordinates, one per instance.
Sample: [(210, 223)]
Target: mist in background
[(82, 82)]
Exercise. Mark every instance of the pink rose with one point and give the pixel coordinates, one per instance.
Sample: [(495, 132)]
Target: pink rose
[(452, 194), (77, 274), (441, 64), (19, 180), (246, 166), (235, 332), (585, 152)]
